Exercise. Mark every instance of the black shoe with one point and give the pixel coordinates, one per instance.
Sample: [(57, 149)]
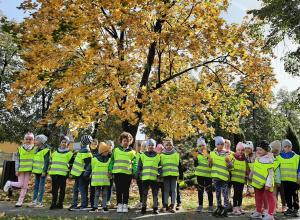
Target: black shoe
[(53, 206), (72, 207), (296, 213), (94, 209), (105, 210), (289, 212), (216, 213), (155, 211), (223, 213), (143, 210), (60, 206)]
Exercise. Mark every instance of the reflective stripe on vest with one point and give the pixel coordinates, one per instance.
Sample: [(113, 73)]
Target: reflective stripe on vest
[(219, 168), (78, 165), (60, 163), (39, 160), (288, 168), (202, 169), (123, 161), (100, 173), (260, 174), (170, 164), (150, 167), (26, 159), (239, 172)]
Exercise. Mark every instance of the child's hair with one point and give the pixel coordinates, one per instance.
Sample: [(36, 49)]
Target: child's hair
[(168, 140), (96, 141), (126, 135)]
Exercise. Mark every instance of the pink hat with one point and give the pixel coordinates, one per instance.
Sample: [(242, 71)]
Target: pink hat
[(240, 145), (159, 147), (29, 135)]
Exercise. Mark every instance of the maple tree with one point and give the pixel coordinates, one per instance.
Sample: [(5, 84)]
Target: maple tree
[(168, 64)]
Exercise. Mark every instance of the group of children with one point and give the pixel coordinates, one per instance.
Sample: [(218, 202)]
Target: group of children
[(99, 165)]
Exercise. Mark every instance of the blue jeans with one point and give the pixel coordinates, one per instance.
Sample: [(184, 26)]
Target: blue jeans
[(39, 187), (83, 185), (75, 192)]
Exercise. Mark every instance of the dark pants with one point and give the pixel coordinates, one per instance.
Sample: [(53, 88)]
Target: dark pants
[(178, 198), (291, 194), (238, 193), (110, 190), (83, 184), (140, 186), (122, 182), (58, 183), (154, 185), (205, 182), (92, 194), (161, 186)]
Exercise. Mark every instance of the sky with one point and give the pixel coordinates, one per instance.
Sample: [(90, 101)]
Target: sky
[(236, 12)]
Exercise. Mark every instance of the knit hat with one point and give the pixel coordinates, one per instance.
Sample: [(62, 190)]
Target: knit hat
[(42, 138), (28, 135), (249, 144), (96, 141), (286, 142), (65, 138), (159, 147), (276, 145), (219, 140), (200, 142), (103, 148), (240, 145), (151, 141), (112, 144), (86, 140), (143, 143), (264, 145)]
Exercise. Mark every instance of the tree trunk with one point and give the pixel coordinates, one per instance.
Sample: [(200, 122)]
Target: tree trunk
[(132, 129)]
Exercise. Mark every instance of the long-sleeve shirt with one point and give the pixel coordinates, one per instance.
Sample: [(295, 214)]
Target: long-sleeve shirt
[(266, 160), (140, 165)]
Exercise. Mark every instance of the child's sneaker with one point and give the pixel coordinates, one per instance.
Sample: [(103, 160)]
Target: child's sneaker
[(179, 207), (155, 211), (139, 205), (125, 208), (256, 215), (38, 205), (289, 212), (210, 209), (265, 212), (200, 208), (143, 212), (7, 186), (268, 217), (218, 210), (120, 208), (236, 211), (33, 203), (80, 208), (72, 207), (223, 213), (20, 202), (94, 209), (241, 210), (105, 210), (296, 213)]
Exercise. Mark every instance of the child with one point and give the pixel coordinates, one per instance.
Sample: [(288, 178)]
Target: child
[(262, 175), (82, 160), (149, 169), (123, 166), (98, 168), (238, 178), (23, 167), (220, 163), (203, 173), (139, 182), (276, 147), (290, 177), (171, 169), (94, 152), (40, 167), (159, 150), (227, 147), (250, 156), (111, 146), (59, 172)]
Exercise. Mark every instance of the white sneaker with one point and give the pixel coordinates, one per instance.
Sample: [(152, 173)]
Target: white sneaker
[(38, 205), (6, 186), (20, 202), (120, 208), (265, 212), (268, 217), (125, 208), (256, 215), (33, 203)]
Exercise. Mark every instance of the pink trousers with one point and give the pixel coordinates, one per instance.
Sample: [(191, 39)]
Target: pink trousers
[(259, 199), (23, 179)]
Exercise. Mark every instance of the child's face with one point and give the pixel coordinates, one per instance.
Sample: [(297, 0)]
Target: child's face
[(275, 151), (143, 148), (38, 143), (110, 146), (125, 143), (202, 147), (104, 154), (29, 141), (240, 152), (151, 147), (94, 145), (227, 145), (261, 152), (159, 151), (220, 146), (168, 146), (63, 144), (248, 150), (287, 149)]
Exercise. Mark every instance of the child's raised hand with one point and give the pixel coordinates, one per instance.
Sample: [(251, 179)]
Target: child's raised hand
[(210, 161), (267, 188), (227, 159), (43, 175)]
